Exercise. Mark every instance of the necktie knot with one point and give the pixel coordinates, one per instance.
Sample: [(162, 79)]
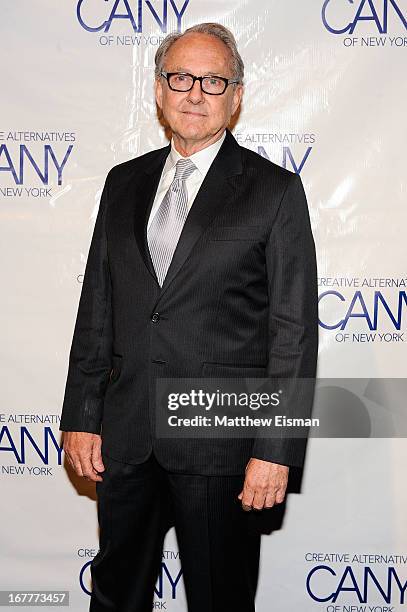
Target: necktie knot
[(183, 169)]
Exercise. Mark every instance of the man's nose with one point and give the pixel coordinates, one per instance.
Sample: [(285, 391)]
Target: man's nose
[(195, 94)]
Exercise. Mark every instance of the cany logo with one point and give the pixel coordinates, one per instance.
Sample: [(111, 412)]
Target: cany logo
[(49, 161), (166, 586), (99, 15), (343, 16), (27, 444), (373, 310), (324, 584), (33, 161)]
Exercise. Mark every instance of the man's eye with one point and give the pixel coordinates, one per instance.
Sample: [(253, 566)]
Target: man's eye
[(213, 81), (180, 78)]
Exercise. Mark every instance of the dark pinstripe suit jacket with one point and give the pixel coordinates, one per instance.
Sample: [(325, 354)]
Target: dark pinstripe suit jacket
[(239, 299)]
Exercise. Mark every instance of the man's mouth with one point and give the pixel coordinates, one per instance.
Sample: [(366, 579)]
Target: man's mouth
[(193, 114)]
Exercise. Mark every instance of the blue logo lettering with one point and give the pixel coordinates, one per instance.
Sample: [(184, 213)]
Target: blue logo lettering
[(359, 309), (164, 578), (365, 11), (359, 587), (16, 169), (19, 447), (122, 9), (288, 155)]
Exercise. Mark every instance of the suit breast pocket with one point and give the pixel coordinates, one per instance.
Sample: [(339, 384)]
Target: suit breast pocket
[(237, 232)]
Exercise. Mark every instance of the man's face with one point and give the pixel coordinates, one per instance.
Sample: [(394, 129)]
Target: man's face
[(194, 116)]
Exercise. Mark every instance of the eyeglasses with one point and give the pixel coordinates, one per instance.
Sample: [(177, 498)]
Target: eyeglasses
[(210, 84)]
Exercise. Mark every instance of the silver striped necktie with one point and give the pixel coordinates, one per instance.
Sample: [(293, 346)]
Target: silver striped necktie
[(167, 223)]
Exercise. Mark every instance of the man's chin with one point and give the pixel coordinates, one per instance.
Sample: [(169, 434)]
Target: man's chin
[(191, 133)]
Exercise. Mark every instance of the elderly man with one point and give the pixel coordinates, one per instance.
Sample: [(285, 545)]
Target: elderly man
[(202, 263)]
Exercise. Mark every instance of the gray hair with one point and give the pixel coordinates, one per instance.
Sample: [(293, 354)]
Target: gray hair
[(213, 29)]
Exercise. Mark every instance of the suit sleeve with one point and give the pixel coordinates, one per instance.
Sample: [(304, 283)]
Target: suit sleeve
[(293, 318), (90, 354)]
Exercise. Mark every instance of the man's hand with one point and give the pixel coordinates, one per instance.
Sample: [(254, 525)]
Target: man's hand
[(265, 484), (83, 450)]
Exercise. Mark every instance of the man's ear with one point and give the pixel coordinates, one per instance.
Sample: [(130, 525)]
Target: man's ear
[(158, 90), (237, 97)]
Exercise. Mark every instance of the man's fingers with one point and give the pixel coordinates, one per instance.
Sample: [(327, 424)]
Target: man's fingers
[(97, 461), (265, 484), (75, 463), (244, 506), (280, 495), (81, 449), (270, 500), (247, 497), (81, 465), (88, 471), (259, 498)]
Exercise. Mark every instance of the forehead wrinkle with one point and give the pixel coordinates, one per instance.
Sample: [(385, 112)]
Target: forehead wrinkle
[(206, 72)]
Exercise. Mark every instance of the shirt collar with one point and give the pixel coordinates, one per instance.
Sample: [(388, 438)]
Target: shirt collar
[(202, 159)]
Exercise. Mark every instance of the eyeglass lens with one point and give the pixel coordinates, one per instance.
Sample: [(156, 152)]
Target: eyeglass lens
[(210, 84)]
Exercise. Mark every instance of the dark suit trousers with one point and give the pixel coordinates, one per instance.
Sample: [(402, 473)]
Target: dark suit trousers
[(219, 549)]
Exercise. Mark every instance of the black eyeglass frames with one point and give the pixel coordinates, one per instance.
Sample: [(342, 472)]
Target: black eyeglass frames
[(210, 84)]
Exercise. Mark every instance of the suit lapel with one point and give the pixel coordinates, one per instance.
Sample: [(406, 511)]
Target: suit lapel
[(143, 189)]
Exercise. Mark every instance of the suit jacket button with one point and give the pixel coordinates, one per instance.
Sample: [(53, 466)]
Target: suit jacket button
[(155, 317)]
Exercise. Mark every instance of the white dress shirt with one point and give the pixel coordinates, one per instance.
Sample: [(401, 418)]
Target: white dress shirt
[(202, 160)]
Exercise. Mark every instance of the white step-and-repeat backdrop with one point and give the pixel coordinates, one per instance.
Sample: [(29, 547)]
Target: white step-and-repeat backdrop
[(325, 97)]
